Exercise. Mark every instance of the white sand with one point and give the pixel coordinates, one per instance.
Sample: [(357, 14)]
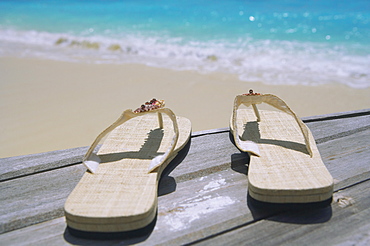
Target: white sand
[(49, 105)]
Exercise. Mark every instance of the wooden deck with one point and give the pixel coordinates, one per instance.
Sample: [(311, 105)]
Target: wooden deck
[(202, 195)]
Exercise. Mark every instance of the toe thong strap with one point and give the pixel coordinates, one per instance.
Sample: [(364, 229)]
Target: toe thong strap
[(256, 98), (91, 160)]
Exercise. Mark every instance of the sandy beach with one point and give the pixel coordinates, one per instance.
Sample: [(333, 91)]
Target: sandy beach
[(49, 105)]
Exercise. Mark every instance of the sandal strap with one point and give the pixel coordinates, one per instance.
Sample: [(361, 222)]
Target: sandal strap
[(91, 160), (256, 98)]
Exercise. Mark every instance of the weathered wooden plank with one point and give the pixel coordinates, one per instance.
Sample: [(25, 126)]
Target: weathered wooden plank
[(337, 115), (344, 223), (324, 131), (208, 154), (212, 161), (50, 232), (180, 213), (347, 157), (36, 198), (47, 191), (210, 207), (19, 166), (336, 164)]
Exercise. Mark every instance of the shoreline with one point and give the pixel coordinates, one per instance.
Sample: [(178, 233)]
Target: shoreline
[(51, 105)]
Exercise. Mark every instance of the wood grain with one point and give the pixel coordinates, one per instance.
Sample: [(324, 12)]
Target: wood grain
[(203, 196)]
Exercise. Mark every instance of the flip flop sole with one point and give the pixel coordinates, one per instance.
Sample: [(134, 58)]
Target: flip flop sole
[(284, 172), (122, 195)]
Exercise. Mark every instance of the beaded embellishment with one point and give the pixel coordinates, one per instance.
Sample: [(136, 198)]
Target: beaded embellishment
[(152, 105)]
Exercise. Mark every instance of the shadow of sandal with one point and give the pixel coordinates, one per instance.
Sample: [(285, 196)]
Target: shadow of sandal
[(148, 150), (167, 184), (292, 213), (239, 161), (77, 237), (252, 133)]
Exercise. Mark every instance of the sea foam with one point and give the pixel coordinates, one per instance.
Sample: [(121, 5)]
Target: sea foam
[(256, 60)]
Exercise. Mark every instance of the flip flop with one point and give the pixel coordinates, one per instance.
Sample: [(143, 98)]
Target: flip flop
[(118, 192), (285, 164)]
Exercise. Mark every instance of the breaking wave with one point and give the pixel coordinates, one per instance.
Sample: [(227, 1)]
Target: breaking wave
[(267, 61)]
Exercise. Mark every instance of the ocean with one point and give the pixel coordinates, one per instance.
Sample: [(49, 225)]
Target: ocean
[(305, 42)]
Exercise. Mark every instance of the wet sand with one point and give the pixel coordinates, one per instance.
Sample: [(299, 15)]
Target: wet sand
[(50, 105)]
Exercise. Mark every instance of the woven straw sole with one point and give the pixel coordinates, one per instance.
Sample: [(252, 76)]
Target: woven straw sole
[(284, 173), (122, 196)]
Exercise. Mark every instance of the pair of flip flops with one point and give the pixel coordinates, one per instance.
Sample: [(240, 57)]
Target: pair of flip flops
[(118, 193)]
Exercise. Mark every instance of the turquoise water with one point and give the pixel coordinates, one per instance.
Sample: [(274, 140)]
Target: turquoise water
[(275, 42)]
